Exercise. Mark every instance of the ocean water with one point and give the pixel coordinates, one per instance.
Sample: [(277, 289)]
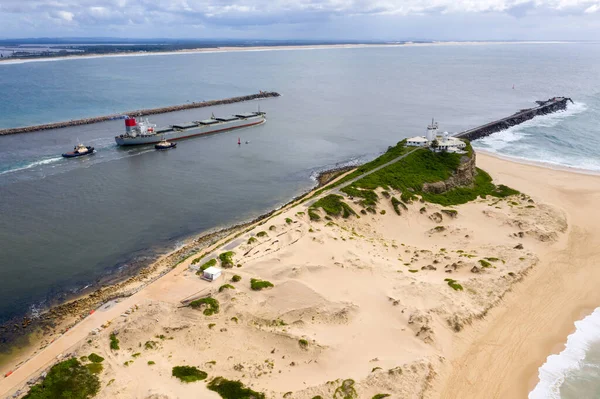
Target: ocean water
[(66, 224)]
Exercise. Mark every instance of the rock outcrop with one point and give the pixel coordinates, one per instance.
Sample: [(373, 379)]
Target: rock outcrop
[(464, 176)]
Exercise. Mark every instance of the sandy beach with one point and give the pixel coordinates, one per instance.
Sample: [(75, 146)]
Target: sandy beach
[(364, 305), (208, 50)]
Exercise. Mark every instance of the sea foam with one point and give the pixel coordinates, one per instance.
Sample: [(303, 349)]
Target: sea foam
[(552, 373)]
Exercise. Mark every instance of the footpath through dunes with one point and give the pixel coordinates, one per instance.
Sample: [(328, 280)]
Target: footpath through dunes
[(363, 294), (140, 112)]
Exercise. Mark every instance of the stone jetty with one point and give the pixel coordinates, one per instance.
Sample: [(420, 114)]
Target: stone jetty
[(141, 112), (544, 107)]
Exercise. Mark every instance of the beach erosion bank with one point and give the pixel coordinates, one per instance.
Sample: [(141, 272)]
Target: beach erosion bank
[(519, 323)]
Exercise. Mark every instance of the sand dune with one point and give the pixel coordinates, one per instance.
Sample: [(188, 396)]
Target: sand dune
[(363, 305)]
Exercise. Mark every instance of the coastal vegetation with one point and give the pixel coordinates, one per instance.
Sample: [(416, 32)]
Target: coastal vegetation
[(410, 174), (210, 305), (303, 343), (226, 259), (453, 284), (68, 379), (236, 278), (188, 373), (346, 390), (95, 358), (225, 287), (251, 240), (333, 205), (114, 342), (229, 389), (262, 234), (206, 265), (258, 285)]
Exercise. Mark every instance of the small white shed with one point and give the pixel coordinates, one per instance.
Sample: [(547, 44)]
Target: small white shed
[(211, 273)]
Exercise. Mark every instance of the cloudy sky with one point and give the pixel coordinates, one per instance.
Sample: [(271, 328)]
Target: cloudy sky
[(305, 19)]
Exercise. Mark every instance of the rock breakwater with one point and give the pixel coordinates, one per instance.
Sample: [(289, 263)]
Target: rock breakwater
[(552, 105), (141, 112)]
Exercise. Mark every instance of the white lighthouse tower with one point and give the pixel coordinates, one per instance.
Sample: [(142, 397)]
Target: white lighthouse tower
[(432, 131)]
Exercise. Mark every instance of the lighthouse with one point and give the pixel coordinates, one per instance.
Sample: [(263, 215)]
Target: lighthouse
[(432, 131)]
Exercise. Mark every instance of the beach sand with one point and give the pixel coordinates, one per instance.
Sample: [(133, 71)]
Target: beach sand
[(362, 304)]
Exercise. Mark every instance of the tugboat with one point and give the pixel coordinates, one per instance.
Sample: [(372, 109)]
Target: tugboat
[(79, 151), (164, 145)]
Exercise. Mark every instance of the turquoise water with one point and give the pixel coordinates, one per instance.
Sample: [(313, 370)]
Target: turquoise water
[(66, 224)]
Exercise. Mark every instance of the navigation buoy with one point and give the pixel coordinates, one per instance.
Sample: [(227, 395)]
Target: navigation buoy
[(239, 142)]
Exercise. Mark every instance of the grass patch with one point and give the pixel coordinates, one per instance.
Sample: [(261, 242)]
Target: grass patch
[(151, 362), (288, 220), (258, 285), (114, 342), (303, 343), (229, 389), (396, 203), (211, 305), (95, 358), (382, 212), (68, 379), (226, 258), (369, 197), (252, 240), (492, 259), (450, 212), (212, 262), (188, 373), (136, 355), (423, 166), (452, 283), (413, 270), (333, 205), (235, 319), (226, 287), (262, 234), (381, 396), (236, 278), (485, 263)]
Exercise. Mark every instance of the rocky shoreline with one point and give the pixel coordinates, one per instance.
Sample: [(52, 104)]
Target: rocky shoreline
[(141, 112)]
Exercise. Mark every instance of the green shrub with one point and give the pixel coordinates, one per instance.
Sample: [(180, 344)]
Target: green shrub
[(303, 343), (450, 212), (346, 390), (211, 325), (272, 228), (95, 358), (225, 287), (262, 234), (385, 194), (492, 259), (288, 220), (251, 240), (396, 204), (381, 396), (228, 389), (382, 212), (413, 270), (234, 319), (226, 258), (333, 205), (135, 355), (188, 373), (151, 345), (258, 285), (66, 380), (211, 305), (236, 278), (151, 362), (484, 263), (452, 283), (114, 342)]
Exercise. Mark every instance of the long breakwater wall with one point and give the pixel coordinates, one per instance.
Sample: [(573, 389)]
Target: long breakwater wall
[(544, 107), (141, 112)]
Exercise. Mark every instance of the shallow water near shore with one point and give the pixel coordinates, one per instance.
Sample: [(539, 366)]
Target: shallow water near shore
[(67, 224)]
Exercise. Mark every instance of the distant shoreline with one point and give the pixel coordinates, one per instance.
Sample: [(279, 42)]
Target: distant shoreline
[(228, 49)]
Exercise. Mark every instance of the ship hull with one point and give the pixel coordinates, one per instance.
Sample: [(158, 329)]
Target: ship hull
[(173, 135)]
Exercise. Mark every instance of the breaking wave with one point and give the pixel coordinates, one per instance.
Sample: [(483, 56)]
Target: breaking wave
[(557, 367)]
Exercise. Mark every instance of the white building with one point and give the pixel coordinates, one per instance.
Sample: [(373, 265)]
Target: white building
[(443, 140), (211, 273)]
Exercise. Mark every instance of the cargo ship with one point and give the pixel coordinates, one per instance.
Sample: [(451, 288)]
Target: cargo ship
[(144, 132)]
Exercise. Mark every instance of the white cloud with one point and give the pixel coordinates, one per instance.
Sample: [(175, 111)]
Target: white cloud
[(111, 16)]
